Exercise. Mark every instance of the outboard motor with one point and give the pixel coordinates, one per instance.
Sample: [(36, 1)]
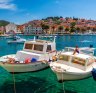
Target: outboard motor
[(94, 73)]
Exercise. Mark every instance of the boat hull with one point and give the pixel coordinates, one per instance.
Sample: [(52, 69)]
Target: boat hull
[(64, 76), (22, 67)]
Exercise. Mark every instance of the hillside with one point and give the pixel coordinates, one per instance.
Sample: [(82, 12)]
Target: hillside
[(3, 23)]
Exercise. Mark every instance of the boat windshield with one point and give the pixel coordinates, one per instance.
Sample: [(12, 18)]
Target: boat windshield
[(38, 47), (64, 57), (28, 46), (79, 61)]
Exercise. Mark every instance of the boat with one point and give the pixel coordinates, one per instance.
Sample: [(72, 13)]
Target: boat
[(84, 41), (47, 36), (35, 56), (73, 66), (17, 39), (85, 50)]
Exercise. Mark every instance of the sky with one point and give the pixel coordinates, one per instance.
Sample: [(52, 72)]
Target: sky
[(22, 11)]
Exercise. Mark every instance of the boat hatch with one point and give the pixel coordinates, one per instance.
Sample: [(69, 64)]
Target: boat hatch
[(64, 57), (79, 61)]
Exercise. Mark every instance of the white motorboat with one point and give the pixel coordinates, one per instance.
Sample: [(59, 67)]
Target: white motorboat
[(17, 39), (84, 50), (71, 66), (35, 56)]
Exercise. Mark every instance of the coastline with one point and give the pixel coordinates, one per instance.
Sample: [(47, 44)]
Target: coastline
[(51, 35)]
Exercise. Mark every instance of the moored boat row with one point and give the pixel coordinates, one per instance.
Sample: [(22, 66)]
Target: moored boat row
[(70, 64)]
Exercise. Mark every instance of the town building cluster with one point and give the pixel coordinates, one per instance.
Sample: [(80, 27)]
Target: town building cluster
[(52, 25)]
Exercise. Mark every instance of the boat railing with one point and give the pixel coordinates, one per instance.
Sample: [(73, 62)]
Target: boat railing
[(85, 50)]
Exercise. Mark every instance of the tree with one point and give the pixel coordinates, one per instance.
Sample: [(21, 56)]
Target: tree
[(45, 28), (53, 28), (58, 22), (75, 18), (73, 29), (67, 29), (78, 29), (66, 18), (83, 30), (60, 28), (4, 23), (88, 28), (72, 24), (94, 29)]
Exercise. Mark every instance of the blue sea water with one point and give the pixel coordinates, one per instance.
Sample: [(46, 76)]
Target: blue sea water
[(45, 81)]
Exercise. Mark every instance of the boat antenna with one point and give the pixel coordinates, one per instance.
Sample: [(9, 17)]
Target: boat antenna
[(34, 38)]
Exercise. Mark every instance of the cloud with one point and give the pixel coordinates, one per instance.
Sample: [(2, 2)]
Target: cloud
[(7, 4)]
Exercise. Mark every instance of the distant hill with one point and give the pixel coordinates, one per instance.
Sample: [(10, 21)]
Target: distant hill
[(4, 23)]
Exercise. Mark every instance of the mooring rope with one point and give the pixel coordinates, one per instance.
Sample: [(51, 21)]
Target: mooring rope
[(14, 79), (63, 83), (43, 85)]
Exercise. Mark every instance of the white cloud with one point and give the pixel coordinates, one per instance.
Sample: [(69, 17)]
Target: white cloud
[(7, 4)]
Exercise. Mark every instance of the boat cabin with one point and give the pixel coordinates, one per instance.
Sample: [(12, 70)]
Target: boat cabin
[(81, 61), (38, 49), (39, 46)]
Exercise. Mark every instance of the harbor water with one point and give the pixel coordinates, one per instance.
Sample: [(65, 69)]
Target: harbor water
[(45, 81)]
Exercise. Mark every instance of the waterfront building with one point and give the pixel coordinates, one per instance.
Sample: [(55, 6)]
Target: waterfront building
[(32, 29), (2, 29), (20, 28), (11, 28)]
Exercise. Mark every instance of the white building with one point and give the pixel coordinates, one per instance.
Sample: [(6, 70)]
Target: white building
[(29, 29), (11, 28)]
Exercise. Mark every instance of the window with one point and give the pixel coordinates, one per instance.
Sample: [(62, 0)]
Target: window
[(90, 61), (64, 57), (78, 61), (28, 46), (48, 48), (38, 47)]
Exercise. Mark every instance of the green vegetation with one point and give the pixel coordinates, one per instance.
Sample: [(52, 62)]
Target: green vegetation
[(73, 29), (53, 18), (3, 23), (45, 27), (60, 28)]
